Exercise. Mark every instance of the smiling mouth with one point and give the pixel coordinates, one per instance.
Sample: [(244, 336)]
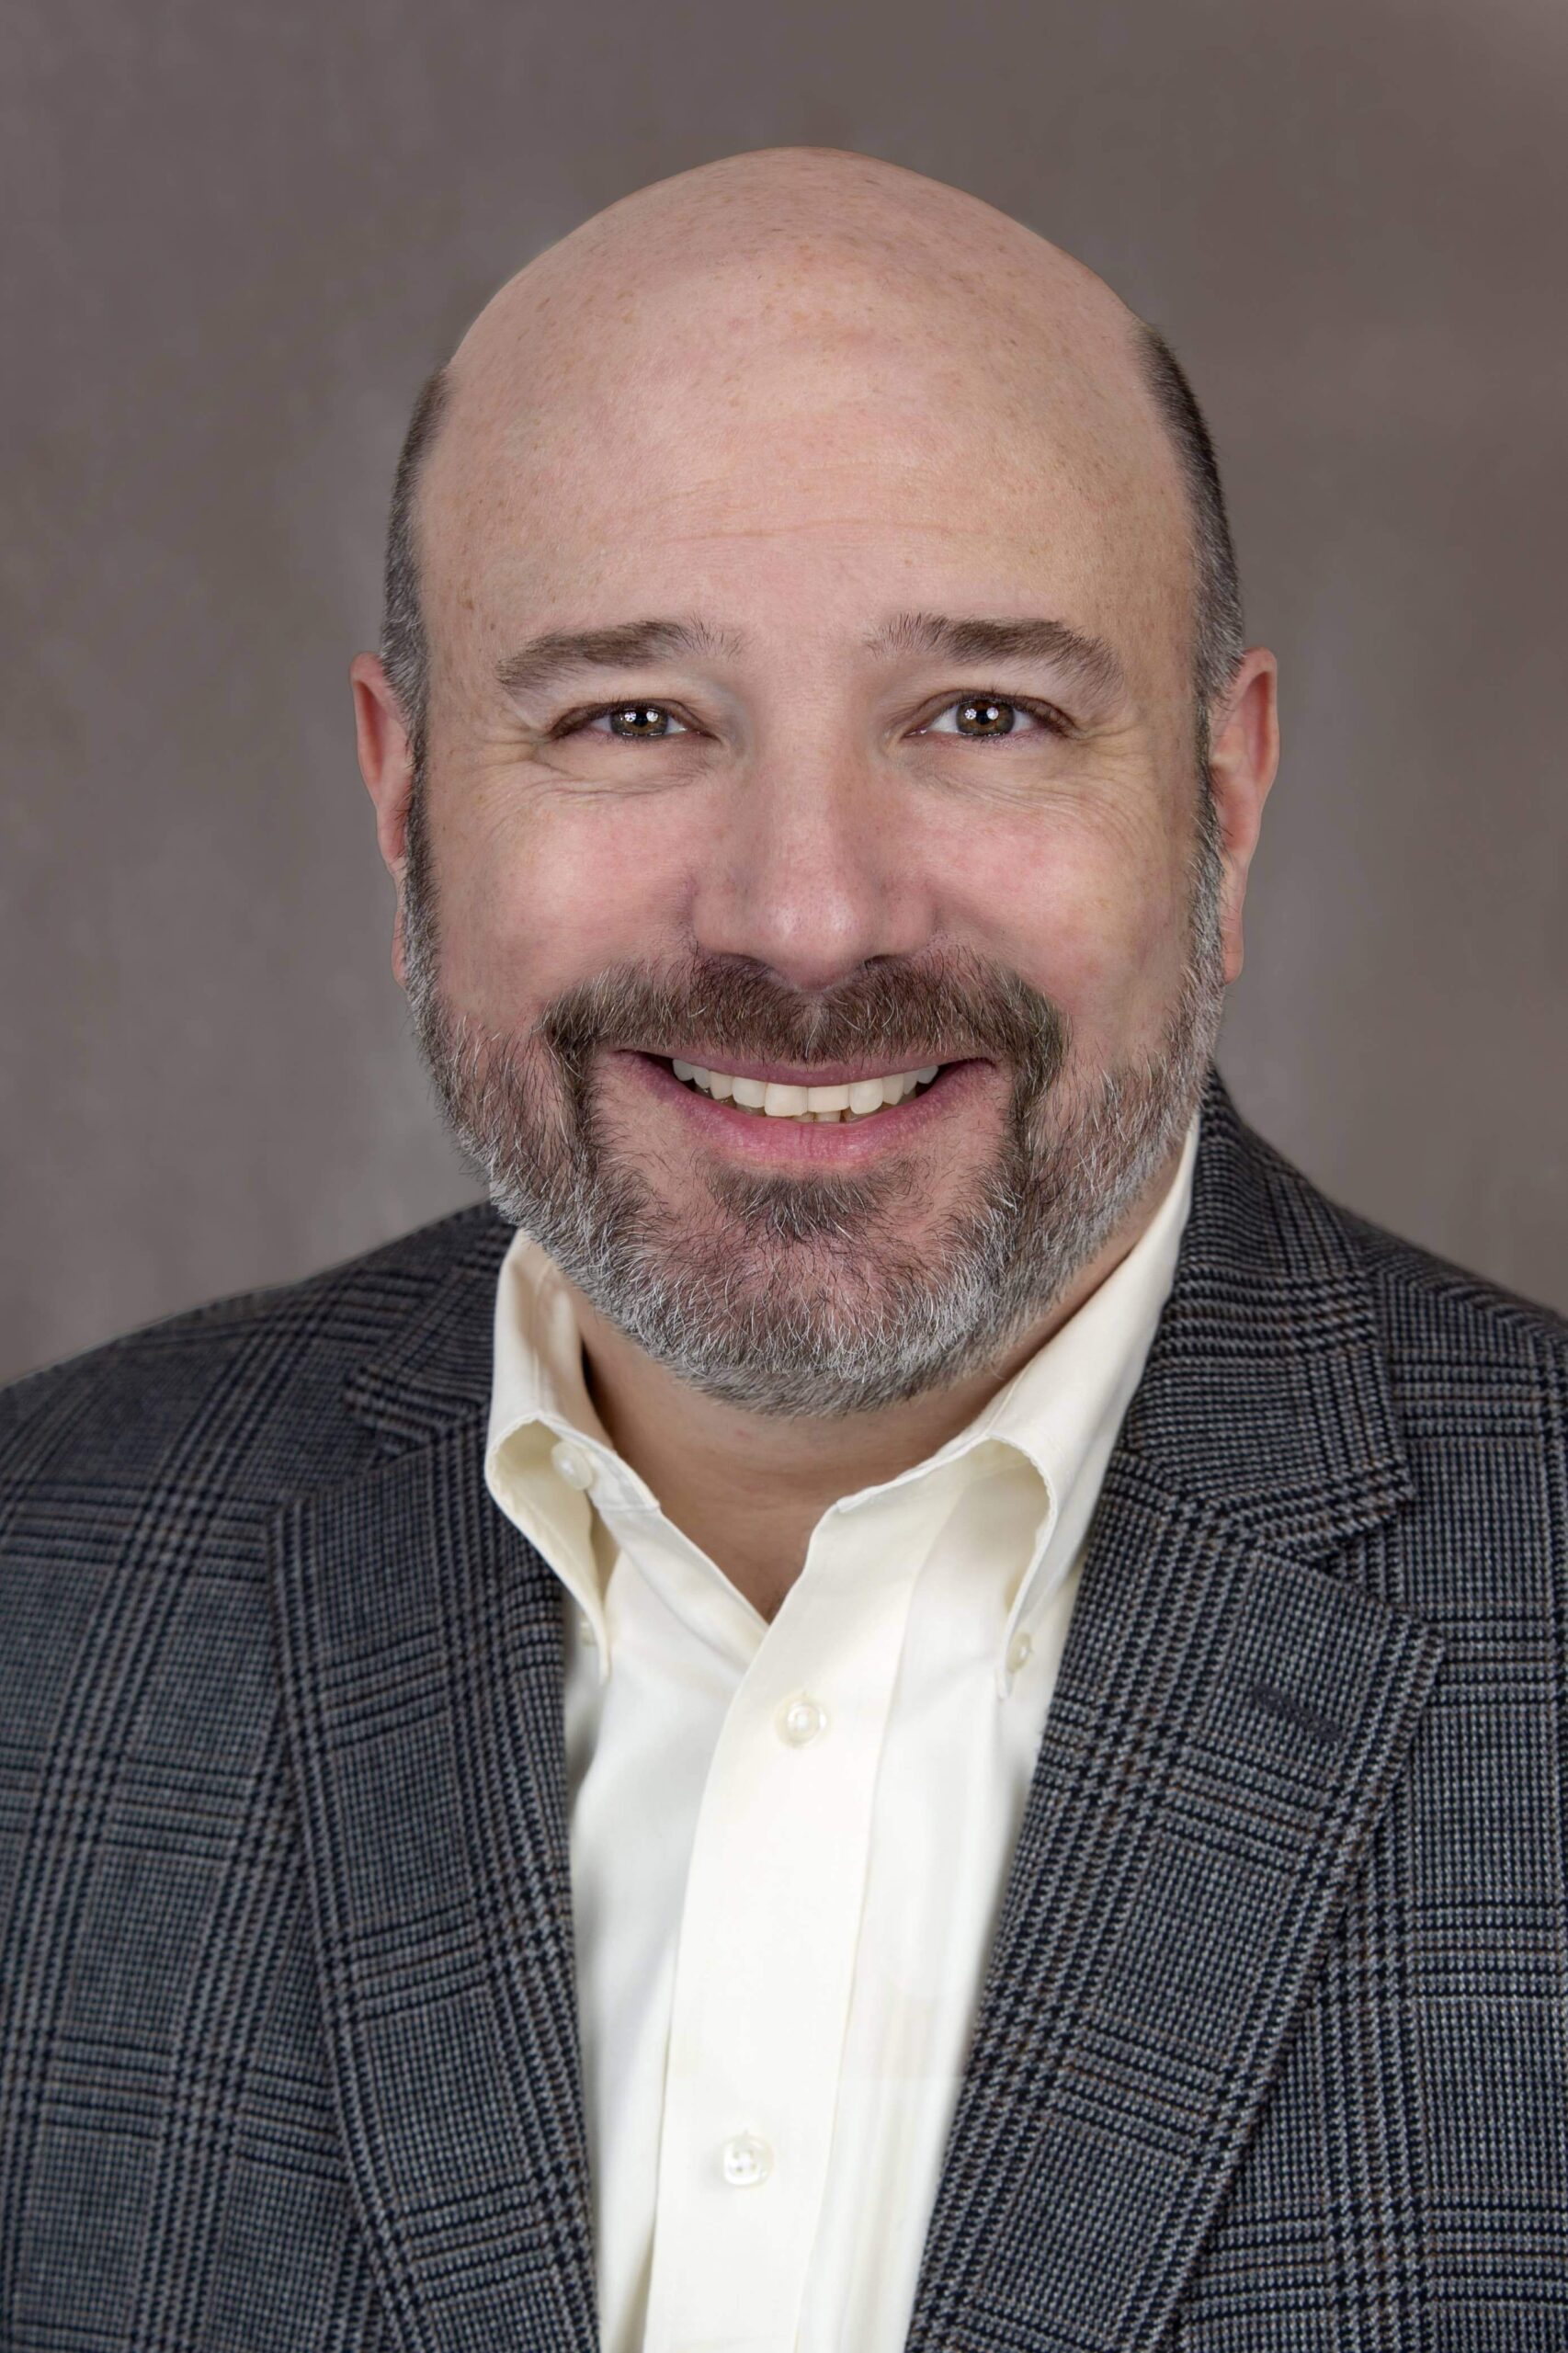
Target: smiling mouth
[(846, 1104)]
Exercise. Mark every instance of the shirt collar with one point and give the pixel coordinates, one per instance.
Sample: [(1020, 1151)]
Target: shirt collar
[(539, 1402), (1063, 1407), (1060, 1411)]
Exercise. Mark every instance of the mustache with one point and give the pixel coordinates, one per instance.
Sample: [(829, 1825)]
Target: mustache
[(906, 1012)]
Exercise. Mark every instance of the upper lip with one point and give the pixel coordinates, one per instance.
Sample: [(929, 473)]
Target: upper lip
[(797, 1075)]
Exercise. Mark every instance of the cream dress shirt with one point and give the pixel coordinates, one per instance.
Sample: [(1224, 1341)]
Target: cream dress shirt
[(789, 1841)]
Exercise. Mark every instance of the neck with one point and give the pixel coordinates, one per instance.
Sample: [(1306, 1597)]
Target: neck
[(749, 1488)]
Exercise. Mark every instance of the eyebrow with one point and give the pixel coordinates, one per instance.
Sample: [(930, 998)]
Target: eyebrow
[(1089, 661), (544, 659)]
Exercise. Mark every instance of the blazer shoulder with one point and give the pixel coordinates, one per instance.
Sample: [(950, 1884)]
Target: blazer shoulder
[(208, 1378)]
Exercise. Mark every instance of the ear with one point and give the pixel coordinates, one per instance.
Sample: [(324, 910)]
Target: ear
[(386, 763), (1242, 759)]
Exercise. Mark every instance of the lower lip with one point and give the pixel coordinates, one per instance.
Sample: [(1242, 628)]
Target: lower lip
[(802, 1143)]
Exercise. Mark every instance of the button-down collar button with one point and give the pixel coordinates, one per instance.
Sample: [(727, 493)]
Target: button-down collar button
[(585, 1628), (747, 2161), (1019, 1652), (801, 1720), (571, 1465)]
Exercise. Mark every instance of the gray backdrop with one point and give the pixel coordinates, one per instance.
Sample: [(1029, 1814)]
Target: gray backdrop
[(240, 234)]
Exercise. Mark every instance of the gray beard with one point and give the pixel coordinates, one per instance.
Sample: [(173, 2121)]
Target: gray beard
[(793, 1294)]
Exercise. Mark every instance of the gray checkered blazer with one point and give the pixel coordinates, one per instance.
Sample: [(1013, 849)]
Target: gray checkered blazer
[(1272, 2052)]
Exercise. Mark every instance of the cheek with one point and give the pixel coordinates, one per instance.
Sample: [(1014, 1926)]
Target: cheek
[(1089, 912), (536, 900)]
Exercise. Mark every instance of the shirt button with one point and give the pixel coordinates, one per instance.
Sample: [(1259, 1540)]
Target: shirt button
[(585, 1628), (570, 1465), (801, 1720), (747, 2161), (1019, 1652)]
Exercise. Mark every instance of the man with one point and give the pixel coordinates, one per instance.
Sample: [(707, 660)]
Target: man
[(909, 1695)]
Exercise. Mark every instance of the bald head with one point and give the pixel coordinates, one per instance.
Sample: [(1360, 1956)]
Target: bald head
[(811, 282)]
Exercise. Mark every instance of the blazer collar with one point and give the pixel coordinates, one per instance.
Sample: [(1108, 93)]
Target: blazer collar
[(1232, 1707), (1267, 1391)]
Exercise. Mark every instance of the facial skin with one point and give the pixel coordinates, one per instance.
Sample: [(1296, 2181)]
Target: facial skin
[(795, 401)]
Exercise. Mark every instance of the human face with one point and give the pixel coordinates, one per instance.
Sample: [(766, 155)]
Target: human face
[(904, 778)]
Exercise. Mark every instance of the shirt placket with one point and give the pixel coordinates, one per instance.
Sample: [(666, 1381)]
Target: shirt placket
[(766, 1958)]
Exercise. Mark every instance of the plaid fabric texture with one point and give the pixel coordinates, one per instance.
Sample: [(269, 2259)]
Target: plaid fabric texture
[(1272, 2050)]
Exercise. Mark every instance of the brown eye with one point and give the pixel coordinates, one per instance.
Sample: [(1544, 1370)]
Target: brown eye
[(985, 718), (980, 717)]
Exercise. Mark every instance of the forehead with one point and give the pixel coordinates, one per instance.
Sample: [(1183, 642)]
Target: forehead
[(901, 431)]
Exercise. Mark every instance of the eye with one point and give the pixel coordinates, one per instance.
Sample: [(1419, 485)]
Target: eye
[(631, 723), (978, 718)]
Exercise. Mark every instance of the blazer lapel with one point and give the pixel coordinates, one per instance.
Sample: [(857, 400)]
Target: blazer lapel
[(1232, 1707), (420, 1645)]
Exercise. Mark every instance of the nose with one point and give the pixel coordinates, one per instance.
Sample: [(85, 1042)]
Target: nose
[(814, 868)]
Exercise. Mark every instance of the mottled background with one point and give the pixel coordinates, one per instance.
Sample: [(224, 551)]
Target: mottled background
[(239, 235)]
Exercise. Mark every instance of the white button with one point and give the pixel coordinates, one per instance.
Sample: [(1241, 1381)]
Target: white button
[(1018, 1653), (801, 1720), (747, 2161), (585, 1628), (568, 1464)]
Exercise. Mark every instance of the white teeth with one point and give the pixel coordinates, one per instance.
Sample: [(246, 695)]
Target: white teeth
[(824, 1104)]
